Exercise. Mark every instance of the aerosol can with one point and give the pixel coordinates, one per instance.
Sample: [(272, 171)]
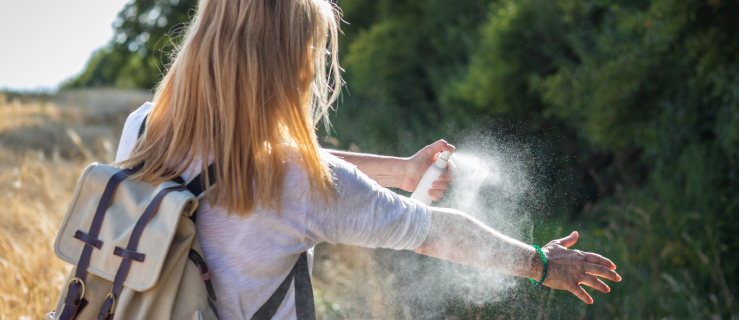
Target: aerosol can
[(432, 174)]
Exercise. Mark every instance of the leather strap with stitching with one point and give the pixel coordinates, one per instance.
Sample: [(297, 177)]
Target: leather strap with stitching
[(88, 239), (128, 254), (74, 301)]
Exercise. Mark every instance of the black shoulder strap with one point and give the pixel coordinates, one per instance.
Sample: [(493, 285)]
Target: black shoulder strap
[(196, 185), (304, 303), (142, 128), (304, 306)]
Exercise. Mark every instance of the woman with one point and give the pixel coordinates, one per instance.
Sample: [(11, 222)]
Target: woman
[(249, 83)]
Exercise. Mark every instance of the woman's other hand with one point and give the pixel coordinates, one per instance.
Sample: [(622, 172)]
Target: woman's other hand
[(567, 269), (419, 163)]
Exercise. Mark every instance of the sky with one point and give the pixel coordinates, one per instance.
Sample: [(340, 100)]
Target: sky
[(45, 42)]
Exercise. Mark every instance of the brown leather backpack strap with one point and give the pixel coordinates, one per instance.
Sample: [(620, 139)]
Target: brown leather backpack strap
[(129, 254), (74, 301), (205, 273)]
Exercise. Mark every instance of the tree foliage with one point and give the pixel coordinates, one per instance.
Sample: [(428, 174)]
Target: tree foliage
[(146, 32), (638, 101)]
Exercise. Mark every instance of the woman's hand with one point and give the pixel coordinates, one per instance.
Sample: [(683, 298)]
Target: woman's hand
[(419, 163), (567, 269)]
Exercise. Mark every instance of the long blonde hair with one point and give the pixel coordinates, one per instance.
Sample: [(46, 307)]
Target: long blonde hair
[(247, 87)]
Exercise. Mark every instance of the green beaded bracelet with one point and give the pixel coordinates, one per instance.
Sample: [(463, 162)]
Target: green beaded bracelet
[(544, 274)]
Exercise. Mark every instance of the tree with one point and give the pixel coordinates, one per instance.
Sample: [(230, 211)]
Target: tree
[(146, 32)]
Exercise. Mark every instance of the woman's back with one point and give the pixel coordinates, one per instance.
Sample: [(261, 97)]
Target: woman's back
[(250, 255)]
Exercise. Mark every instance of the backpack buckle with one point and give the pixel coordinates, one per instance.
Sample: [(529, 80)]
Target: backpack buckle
[(81, 282), (108, 309), (111, 296)]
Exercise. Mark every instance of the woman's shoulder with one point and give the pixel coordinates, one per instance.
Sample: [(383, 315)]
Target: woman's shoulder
[(341, 171), (141, 111), (131, 130)]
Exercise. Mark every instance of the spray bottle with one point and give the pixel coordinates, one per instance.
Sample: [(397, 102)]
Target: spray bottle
[(432, 174)]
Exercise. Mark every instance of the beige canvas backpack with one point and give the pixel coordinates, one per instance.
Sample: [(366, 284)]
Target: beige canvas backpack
[(136, 254), (134, 248)]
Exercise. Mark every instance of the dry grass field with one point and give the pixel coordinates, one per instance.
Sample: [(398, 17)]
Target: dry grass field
[(46, 142)]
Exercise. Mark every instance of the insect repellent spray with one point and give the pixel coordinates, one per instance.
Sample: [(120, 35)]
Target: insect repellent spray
[(432, 174)]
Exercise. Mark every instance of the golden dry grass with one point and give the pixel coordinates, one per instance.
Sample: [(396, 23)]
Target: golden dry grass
[(45, 143), (35, 192)]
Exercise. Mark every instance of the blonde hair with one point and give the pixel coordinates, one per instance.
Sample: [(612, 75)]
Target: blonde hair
[(247, 87)]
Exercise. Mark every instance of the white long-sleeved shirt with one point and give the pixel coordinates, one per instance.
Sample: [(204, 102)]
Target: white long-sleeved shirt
[(250, 256)]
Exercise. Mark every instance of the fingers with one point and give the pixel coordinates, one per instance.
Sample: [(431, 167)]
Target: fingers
[(570, 240), (436, 194), (598, 259), (601, 271), (580, 293), (440, 146), (595, 283), (445, 177), (440, 187), (436, 147)]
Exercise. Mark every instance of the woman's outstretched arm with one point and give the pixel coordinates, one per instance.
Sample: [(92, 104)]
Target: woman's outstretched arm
[(402, 173), (457, 237)]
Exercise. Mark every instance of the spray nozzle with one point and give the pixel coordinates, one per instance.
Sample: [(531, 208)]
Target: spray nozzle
[(443, 158)]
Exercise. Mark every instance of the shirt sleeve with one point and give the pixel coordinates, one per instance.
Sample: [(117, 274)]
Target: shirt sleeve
[(131, 132), (366, 214)]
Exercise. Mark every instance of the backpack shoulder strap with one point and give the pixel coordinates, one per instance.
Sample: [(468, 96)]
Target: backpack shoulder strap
[(196, 185), (142, 128), (304, 305)]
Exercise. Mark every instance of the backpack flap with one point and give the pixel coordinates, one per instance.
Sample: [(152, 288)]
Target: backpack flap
[(129, 202)]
